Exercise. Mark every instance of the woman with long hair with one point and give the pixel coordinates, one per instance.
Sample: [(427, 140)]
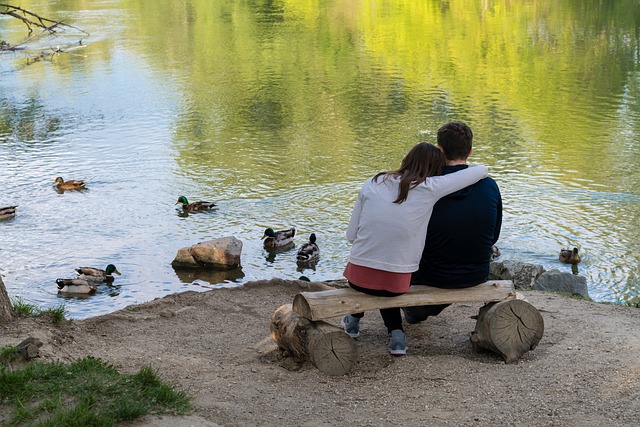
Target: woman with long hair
[(388, 228)]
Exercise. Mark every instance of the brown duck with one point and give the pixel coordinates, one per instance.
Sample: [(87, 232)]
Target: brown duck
[(73, 184), (569, 256)]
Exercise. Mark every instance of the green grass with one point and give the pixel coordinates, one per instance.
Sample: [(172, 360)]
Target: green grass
[(23, 308), (57, 313), (88, 392), (8, 354)]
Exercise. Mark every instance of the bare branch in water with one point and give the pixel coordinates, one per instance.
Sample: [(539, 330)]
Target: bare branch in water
[(31, 20)]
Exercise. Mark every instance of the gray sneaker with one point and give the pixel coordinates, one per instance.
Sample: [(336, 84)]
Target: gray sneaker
[(397, 343), (351, 325)]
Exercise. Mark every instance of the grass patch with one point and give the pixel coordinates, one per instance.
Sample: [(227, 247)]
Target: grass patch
[(57, 313), (8, 354), (88, 392), (23, 308)]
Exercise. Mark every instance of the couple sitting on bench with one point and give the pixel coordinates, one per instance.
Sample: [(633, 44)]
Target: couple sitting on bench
[(431, 222)]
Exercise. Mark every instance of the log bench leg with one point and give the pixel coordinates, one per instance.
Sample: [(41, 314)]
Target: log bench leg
[(328, 347), (509, 328)]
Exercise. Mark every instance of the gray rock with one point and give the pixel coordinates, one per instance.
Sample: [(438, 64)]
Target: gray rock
[(218, 254), (523, 275), (30, 348), (557, 281)]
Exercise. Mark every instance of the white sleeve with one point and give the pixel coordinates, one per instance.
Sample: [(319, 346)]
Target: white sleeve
[(452, 182), (352, 228)]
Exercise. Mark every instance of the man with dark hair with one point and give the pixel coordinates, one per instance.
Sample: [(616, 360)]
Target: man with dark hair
[(462, 230)]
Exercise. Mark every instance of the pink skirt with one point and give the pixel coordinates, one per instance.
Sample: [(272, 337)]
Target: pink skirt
[(371, 278)]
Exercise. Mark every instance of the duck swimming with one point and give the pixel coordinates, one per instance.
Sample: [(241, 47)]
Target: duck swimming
[(93, 274), (569, 256), (277, 239), (195, 206), (8, 212), (75, 286), (309, 251), (73, 184)]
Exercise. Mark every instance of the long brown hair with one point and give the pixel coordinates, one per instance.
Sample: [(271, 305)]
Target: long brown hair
[(421, 162)]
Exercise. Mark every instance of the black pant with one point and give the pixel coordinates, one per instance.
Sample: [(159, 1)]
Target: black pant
[(391, 316), (421, 312)]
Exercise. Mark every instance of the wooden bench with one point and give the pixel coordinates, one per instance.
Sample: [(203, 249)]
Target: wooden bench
[(506, 325)]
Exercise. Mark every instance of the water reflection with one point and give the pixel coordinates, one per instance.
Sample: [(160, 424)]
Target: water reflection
[(310, 265), (271, 253), (210, 276), (284, 124)]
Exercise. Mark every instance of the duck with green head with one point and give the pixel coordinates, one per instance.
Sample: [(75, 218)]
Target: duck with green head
[(97, 275), (73, 184), (277, 239), (75, 286), (195, 206)]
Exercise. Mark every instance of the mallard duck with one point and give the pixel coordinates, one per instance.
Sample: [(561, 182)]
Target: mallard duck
[(495, 252), (277, 239), (73, 184), (195, 206), (309, 251), (93, 274), (75, 286), (8, 212), (569, 256)]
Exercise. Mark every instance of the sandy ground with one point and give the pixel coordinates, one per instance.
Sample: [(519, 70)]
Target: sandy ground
[(216, 346)]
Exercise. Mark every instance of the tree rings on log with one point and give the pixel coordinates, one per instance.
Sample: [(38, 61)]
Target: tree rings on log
[(328, 347), (509, 328)]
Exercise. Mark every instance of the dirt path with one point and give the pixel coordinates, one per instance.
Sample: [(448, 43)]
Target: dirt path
[(216, 346)]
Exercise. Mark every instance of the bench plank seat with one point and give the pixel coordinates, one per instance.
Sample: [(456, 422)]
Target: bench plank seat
[(338, 302)]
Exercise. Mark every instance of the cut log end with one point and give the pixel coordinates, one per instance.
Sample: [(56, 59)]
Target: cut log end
[(332, 352), (509, 328)]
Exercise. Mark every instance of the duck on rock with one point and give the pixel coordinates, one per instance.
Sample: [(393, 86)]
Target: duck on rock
[(309, 251), (277, 239), (92, 274), (569, 256), (195, 206)]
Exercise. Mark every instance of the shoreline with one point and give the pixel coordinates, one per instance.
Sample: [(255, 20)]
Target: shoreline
[(216, 346)]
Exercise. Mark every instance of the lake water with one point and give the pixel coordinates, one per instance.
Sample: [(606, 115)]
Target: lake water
[(279, 110)]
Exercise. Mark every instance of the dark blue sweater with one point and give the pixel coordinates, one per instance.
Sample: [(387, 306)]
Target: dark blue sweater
[(462, 229)]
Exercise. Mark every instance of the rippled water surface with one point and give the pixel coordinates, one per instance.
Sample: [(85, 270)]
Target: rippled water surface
[(279, 111)]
